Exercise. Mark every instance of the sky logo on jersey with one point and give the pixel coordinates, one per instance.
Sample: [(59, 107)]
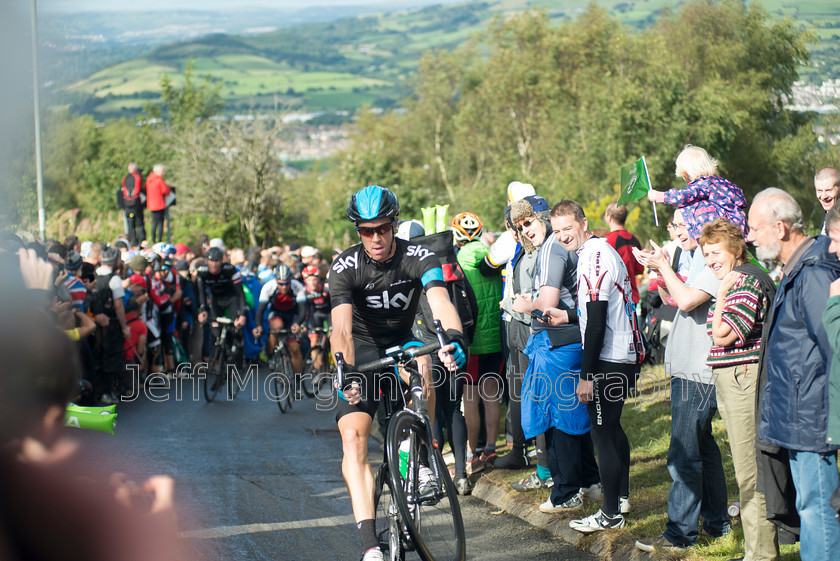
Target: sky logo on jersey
[(348, 262), (418, 251), (398, 301)]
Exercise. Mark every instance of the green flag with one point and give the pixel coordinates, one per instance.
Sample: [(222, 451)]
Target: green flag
[(635, 181)]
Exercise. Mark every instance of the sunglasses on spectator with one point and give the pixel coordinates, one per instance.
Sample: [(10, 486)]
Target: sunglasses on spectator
[(366, 232), (525, 224)]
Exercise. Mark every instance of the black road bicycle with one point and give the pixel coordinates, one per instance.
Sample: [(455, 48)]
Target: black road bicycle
[(412, 515), (317, 382), (226, 352), (282, 372)]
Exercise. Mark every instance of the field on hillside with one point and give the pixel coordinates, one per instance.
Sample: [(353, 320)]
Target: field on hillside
[(345, 63)]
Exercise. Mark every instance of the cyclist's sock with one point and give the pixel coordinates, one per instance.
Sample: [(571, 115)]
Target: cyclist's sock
[(424, 455), (367, 528), (543, 472)]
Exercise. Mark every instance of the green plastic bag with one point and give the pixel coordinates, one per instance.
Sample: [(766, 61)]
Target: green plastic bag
[(101, 419), (178, 351)]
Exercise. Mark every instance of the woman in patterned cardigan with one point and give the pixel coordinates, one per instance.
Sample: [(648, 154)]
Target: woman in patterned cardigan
[(734, 324)]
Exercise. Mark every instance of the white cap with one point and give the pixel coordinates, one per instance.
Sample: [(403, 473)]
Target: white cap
[(518, 191), (85, 249), (308, 251), (408, 229), (217, 242)]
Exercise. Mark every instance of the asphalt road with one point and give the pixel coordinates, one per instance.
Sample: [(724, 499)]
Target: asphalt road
[(255, 484)]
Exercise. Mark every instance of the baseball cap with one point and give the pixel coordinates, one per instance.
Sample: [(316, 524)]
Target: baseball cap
[(308, 251), (139, 280), (518, 191), (217, 242), (181, 248)]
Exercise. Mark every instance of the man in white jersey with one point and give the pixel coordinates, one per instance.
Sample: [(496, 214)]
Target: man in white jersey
[(612, 352)]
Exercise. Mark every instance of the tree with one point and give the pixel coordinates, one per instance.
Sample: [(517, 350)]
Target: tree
[(230, 170), (189, 103)]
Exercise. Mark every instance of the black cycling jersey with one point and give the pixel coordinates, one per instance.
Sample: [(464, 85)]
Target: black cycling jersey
[(315, 307), (225, 287), (384, 295)]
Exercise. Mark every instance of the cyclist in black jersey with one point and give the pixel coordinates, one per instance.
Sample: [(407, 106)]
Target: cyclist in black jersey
[(314, 309), (375, 287), (220, 290)]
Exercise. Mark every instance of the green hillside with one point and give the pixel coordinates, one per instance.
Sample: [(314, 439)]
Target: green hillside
[(343, 64)]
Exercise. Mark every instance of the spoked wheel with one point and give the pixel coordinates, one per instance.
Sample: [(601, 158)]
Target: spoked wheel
[(430, 512), (323, 384), (388, 526), (215, 374), (289, 375), (308, 377), (282, 389)]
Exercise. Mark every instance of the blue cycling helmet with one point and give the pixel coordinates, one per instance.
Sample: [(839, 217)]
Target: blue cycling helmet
[(371, 203)]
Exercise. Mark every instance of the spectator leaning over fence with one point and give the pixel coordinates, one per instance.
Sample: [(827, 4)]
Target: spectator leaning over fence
[(156, 192), (827, 185), (623, 242), (549, 404), (794, 367), (694, 461), (612, 352), (734, 325)]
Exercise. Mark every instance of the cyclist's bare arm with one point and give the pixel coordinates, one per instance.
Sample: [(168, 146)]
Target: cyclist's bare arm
[(341, 340), (443, 310)]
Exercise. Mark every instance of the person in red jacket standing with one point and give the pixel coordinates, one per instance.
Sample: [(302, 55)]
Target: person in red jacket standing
[(156, 192), (623, 242), (132, 188)]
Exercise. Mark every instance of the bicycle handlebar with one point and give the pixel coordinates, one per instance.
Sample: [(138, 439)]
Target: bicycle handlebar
[(395, 355)]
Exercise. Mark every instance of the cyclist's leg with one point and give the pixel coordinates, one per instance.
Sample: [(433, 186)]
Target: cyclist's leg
[(275, 324), (354, 422)]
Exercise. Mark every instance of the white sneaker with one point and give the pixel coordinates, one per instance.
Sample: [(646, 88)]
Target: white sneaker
[(574, 502), (373, 554), (624, 505), (596, 522), (425, 479), (594, 492)]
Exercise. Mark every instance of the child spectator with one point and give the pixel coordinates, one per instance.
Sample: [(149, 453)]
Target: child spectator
[(707, 196)]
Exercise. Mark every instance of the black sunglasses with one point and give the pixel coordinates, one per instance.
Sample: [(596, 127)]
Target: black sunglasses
[(527, 223), (366, 232)]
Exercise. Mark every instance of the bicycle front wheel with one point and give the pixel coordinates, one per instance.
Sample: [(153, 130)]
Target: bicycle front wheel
[(429, 510), (282, 388), (388, 525), (215, 374)]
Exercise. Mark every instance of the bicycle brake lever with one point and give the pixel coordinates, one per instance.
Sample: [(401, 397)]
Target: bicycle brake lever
[(441, 334), (339, 369)]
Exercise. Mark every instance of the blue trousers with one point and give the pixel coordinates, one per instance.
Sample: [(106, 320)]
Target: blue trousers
[(694, 462)]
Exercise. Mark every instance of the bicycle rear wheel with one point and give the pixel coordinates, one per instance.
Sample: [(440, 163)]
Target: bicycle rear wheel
[(215, 373), (432, 516), (388, 525)]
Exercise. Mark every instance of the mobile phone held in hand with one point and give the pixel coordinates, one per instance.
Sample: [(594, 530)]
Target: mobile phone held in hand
[(538, 315)]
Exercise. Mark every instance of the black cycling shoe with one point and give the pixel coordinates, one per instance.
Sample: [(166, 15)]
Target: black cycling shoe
[(511, 460)]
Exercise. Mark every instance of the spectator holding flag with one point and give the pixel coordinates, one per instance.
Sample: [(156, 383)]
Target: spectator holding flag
[(706, 197)]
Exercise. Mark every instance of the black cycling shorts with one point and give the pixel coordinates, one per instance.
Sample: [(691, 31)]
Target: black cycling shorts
[(376, 386)]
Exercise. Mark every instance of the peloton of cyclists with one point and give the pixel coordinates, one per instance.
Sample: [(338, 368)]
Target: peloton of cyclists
[(314, 301)]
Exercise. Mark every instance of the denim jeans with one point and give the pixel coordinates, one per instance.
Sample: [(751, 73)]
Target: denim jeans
[(815, 478), (699, 487)]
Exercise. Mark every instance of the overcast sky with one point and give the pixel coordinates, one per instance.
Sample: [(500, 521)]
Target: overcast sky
[(142, 5)]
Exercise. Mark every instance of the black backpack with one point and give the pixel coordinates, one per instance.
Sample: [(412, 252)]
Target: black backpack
[(102, 298), (460, 292)]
